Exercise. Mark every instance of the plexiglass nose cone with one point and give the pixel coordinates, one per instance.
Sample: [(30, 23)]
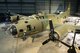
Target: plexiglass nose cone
[(13, 30)]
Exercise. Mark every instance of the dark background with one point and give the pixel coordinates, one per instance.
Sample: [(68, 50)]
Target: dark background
[(29, 7)]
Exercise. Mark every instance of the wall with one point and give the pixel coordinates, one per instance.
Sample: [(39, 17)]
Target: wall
[(30, 6)]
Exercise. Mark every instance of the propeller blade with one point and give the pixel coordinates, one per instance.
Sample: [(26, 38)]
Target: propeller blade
[(63, 43), (51, 33), (76, 31), (46, 41), (51, 26)]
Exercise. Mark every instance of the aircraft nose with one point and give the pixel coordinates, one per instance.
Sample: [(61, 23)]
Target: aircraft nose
[(13, 30)]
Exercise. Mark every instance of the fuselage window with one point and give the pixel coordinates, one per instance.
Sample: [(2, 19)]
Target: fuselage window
[(29, 27), (34, 27), (21, 30), (43, 17), (26, 21)]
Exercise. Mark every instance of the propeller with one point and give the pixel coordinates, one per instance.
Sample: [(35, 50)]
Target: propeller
[(7, 15), (51, 34), (53, 38), (72, 48)]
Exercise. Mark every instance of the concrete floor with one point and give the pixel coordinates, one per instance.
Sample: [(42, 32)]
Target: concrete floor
[(8, 44)]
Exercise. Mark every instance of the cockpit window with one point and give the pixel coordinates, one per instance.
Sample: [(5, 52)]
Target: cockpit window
[(29, 27)]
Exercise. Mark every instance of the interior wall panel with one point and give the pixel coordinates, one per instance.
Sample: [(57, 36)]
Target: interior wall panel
[(13, 0), (2, 0), (28, 0)]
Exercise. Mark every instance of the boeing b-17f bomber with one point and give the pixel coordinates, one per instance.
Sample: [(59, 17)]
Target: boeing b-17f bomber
[(37, 23)]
